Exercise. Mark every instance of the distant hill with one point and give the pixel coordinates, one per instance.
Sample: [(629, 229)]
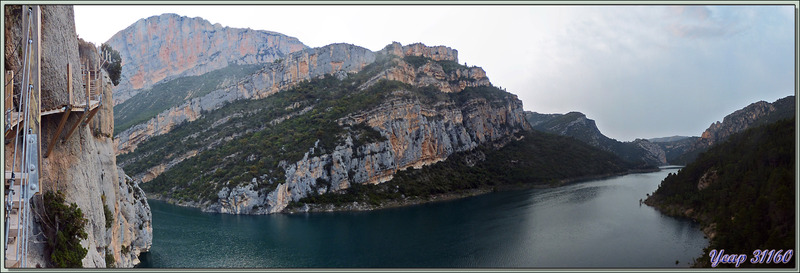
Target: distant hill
[(753, 115), (741, 190), (667, 139), (576, 125)]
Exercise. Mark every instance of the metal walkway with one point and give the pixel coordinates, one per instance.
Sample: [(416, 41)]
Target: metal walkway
[(22, 116)]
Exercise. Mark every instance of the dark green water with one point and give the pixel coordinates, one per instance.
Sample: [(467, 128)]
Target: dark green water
[(592, 224)]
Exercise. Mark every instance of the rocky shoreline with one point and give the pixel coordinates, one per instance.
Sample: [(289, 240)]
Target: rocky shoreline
[(410, 201), (708, 227), (360, 206)]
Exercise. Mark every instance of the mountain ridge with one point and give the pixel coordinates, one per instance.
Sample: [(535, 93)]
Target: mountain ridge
[(365, 131), (752, 115), (169, 45), (577, 125)]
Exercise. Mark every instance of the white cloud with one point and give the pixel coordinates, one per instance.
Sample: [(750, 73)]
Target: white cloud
[(639, 71)]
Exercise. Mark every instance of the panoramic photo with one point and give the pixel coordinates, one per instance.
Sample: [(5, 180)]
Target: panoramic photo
[(400, 136)]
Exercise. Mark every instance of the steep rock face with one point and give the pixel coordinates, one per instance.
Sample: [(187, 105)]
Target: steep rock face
[(675, 148), (84, 167), (753, 115), (436, 53), (577, 125), (745, 118), (160, 47), (416, 135), (307, 64), (654, 153), (134, 233)]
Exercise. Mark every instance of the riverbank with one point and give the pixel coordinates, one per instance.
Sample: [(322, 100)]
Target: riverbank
[(507, 229), (679, 211), (411, 201)]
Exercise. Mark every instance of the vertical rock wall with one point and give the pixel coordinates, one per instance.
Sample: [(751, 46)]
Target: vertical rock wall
[(168, 45), (84, 167), (416, 135), (307, 64)]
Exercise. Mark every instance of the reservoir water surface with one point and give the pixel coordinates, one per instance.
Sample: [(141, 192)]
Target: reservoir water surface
[(596, 224)]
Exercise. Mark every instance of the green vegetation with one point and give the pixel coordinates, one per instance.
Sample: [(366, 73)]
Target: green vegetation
[(447, 66), (450, 66), (784, 108), (110, 261), (416, 61), (64, 226), (107, 212), (114, 64), (242, 141), (537, 159), (588, 133), (149, 103), (752, 201)]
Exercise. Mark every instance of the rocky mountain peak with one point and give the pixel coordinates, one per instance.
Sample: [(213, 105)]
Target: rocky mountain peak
[(421, 65), (166, 46), (436, 53)]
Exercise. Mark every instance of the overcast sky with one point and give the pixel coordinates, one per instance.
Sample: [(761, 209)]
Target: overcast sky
[(638, 71)]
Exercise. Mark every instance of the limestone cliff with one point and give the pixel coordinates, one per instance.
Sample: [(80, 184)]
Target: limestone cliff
[(416, 135), (416, 101), (444, 73), (84, 167), (337, 59), (169, 45)]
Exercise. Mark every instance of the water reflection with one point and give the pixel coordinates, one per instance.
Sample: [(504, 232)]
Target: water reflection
[(599, 221)]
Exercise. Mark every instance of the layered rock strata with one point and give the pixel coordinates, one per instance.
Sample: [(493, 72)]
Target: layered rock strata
[(416, 135), (299, 66), (83, 167), (166, 46)]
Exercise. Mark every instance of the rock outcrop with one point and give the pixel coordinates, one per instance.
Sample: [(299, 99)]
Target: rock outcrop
[(653, 152), (169, 45), (416, 132), (84, 167), (753, 115), (338, 59), (453, 79), (416, 135)]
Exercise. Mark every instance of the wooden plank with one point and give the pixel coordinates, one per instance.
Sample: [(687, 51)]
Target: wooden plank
[(60, 127), (35, 63), (9, 101), (17, 175), (37, 83), (75, 126), (55, 111), (91, 115)]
